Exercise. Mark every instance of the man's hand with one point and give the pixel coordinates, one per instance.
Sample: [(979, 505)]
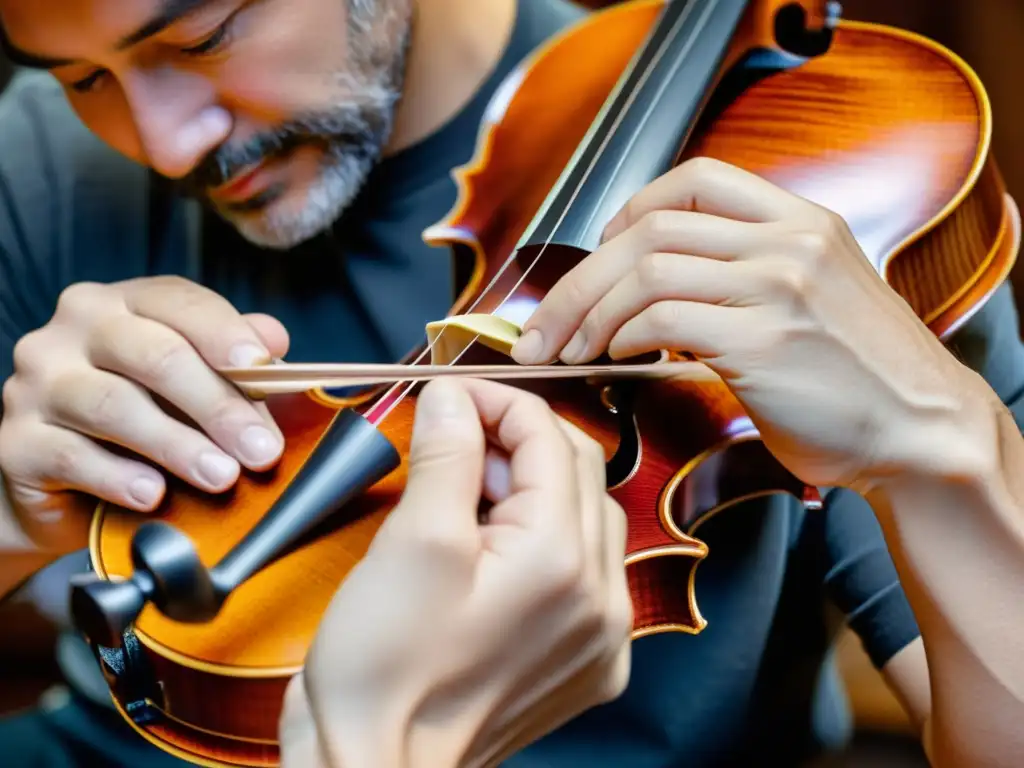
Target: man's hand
[(773, 293), (89, 407), (456, 641)]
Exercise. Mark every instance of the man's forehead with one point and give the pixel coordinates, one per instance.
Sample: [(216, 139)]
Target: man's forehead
[(19, 15), (66, 29)]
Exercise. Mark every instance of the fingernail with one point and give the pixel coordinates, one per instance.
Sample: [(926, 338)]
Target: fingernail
[(244, 355), (529, 347), (259, 446), (47, 516), (145, 491), (439, 403), (37, 505), (574, 350), (32, 496), (611, 228), (216, 470), (497, 477)]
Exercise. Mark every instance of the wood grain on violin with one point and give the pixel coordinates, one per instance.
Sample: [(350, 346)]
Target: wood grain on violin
[(884, 127)]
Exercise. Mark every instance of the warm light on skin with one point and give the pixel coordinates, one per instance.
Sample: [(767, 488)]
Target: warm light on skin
[(211, 94)]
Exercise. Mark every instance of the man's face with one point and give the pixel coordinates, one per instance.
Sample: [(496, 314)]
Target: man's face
[(273, 111)]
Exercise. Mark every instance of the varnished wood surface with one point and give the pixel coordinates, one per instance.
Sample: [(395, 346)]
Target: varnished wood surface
[(989, 34), (886, 129)]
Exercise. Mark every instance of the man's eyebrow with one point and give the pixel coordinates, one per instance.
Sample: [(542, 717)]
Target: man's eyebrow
[(22, 58), (170, 11)]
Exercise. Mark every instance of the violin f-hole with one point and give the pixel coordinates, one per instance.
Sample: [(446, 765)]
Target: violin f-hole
[(618, 399), (724, 476)]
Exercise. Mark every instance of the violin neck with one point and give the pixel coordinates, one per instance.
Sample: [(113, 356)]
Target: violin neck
[(644, 123)]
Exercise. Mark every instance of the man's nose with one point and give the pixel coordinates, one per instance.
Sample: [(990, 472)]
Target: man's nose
[(177, 126)]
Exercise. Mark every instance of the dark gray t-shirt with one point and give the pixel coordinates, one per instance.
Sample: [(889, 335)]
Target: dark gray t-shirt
[(758, 680)]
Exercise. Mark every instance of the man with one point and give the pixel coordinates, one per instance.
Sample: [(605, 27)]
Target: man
[(309, 87)]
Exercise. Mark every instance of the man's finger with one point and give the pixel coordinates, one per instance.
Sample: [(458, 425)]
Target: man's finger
[(52, 459), (297, 727), (705, 330), (272, 332), (616, 530), (155, 356), (713, 187), (496, 475), (114, 409), (208, 321), (592, 483), (542, 480), (446, 467), (659, 277), (667, 232)]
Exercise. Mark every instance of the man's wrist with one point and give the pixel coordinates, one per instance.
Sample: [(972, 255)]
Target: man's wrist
[(360, 729), (396, 743), (962, 451)]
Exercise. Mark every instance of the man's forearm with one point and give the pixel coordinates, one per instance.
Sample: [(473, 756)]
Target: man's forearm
[(957, 537)]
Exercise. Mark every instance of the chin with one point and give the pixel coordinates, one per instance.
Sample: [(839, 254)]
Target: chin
[(286, 215)]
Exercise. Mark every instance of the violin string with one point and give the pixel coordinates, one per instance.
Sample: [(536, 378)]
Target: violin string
[(681, 56), (660, 52)]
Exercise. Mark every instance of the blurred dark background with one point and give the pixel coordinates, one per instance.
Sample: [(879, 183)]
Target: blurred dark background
[(989, 35), (5, 71)]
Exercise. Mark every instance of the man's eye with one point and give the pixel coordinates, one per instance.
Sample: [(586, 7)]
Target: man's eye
[(211, 43), (87, 84)]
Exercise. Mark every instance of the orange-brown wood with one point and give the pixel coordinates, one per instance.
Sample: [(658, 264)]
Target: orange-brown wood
[(886, 128)]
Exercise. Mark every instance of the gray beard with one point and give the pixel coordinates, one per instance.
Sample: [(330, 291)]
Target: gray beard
[(352, 135)]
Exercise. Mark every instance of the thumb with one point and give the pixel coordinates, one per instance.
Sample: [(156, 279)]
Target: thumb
[(446, 465)]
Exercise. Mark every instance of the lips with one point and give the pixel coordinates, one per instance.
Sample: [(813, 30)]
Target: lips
[(243, 186)]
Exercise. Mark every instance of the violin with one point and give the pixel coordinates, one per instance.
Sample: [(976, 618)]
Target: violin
[(200, 618)]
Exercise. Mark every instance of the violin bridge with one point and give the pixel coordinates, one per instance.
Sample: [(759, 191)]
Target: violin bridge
[(449, 338)]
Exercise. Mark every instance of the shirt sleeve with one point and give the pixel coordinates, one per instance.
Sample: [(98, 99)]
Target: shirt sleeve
[(990, 343), (857, 571), (859, 575), (30, 203), (71, 208)]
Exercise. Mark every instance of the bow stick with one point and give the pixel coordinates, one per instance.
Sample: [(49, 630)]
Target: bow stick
[(301, 377)]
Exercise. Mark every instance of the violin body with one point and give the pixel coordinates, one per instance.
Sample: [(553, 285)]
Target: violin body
[(884, 127)]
